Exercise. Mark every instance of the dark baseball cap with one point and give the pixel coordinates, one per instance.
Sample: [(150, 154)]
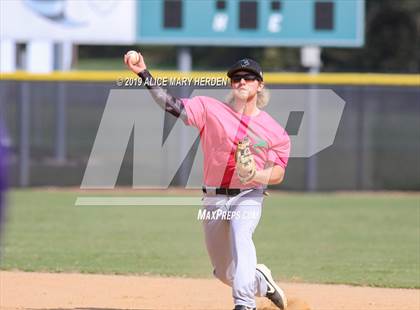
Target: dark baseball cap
[(246, 64)]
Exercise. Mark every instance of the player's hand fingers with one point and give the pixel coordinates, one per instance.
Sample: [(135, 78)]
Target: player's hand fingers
[(127, 62), (135, 67)]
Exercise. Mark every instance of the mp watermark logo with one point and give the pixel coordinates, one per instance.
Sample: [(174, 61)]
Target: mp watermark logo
[(160, 151)]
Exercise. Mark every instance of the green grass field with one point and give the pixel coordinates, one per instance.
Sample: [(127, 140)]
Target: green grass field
[(361, 239)]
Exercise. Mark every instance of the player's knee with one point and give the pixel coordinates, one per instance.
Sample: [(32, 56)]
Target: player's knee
[(223, 276)]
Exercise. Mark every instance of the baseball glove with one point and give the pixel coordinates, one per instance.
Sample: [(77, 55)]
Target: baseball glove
[(245, 163)]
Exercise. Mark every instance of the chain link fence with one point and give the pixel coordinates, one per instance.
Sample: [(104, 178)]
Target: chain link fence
[(52, 126)]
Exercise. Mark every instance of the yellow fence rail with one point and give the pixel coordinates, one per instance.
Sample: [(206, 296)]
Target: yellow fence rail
[(412, 80)]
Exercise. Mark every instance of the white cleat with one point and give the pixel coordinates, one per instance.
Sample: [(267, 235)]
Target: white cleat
[(274, 292)]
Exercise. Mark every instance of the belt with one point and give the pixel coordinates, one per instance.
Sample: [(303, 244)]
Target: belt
[(230, 191), (224, 191)]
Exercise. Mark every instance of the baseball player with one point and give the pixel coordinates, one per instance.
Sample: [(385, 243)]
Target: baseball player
[(244, 149)]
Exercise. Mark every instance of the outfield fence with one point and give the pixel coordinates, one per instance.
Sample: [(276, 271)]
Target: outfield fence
[(52, 121)]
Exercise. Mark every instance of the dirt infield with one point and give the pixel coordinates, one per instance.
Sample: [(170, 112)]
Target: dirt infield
[(21, 290)]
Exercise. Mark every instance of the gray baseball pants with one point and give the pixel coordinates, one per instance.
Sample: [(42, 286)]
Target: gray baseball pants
[(230, 246)]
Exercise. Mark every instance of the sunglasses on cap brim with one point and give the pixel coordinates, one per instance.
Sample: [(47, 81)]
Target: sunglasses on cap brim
[(247, 77)]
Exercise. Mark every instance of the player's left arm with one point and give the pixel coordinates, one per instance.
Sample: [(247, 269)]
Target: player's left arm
[(276, 163), (270, 175)]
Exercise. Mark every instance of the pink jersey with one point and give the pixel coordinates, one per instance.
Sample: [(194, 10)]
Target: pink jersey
[(221, 128)]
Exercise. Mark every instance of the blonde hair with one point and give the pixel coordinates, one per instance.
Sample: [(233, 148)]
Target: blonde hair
[(263, 97)]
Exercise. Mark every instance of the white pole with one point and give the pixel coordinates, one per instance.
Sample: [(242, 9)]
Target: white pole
[(40, 56)]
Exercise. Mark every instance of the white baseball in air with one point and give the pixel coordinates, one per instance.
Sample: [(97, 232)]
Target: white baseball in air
[(133, 57)]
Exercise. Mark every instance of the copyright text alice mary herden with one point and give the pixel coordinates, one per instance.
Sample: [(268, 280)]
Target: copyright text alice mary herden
[(165, 81)]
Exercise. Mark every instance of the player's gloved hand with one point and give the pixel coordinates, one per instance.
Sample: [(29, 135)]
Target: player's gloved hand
[(245, 163)]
